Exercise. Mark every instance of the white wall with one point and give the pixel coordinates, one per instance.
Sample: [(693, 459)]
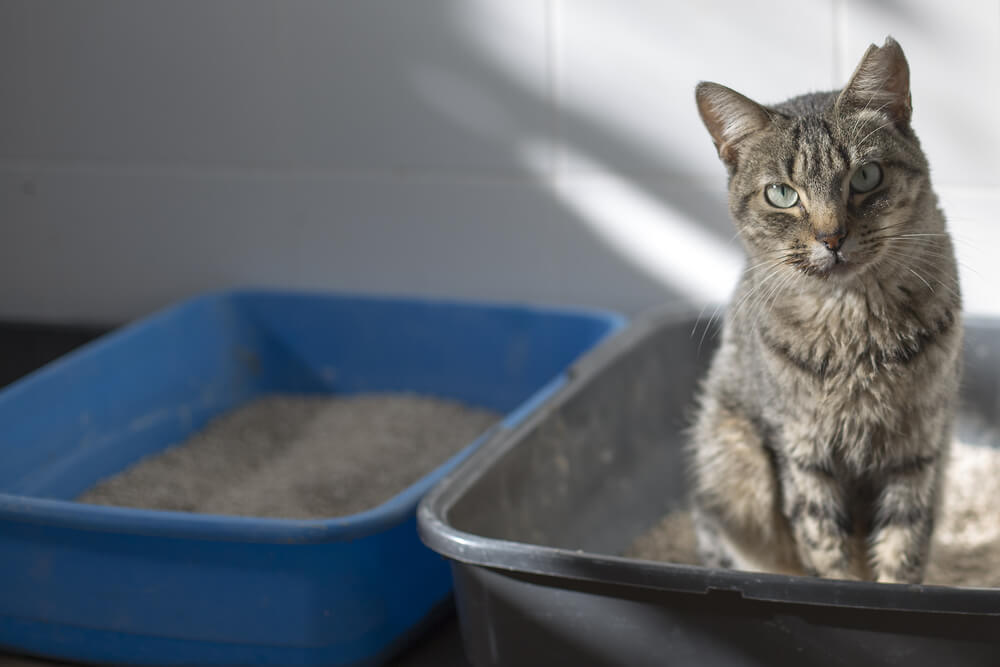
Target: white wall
[(525, 150)]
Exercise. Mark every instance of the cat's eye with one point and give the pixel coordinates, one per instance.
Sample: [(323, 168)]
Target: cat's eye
[(867, 177), (781, 195)]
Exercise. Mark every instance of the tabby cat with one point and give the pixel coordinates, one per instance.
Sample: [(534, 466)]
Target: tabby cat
[(826, 416)]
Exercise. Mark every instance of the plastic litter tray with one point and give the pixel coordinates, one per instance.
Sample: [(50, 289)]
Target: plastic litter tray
[(536, 520), (117, 585)]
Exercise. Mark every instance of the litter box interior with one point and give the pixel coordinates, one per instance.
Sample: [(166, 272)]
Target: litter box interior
[(609, 462), (143, 388)]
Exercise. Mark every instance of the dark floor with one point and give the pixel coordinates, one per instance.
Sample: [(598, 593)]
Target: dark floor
[(441, 646), (25, 347)]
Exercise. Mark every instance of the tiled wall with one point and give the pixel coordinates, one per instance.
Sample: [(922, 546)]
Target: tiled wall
[(525, 150)]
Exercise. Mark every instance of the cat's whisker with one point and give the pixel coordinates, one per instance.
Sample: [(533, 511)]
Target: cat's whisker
[(717, 313), (767, 306), (936, 255), (923, 240), (915, 250), (951, 290), (778, 289), (772, 265), (898, 224), (906, 223), (697, 320), (904, 261), (778, 251), (746, 300), (929, 245), (766, 302), (966, 241), (930, 240), (971, 270), (756, 287), (887, 228), (928, 265), (911, 245), (770, 262), (963, 238)]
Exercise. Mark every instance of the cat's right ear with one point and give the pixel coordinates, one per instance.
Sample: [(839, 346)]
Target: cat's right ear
[(881, 83), (729, 117)]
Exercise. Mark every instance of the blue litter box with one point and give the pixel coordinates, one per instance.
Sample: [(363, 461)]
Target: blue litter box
[(118, 585)]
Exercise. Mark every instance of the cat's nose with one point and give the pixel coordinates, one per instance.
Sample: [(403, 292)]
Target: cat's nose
[(832, 240)]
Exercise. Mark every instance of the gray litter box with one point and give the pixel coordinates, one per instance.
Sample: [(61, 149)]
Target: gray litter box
[(535, 522)]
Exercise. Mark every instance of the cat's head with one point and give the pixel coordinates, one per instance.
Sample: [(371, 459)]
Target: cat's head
[(823, 182)]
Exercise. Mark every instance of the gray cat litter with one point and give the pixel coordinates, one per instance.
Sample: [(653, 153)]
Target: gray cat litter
[(965, 550), (299, 457)]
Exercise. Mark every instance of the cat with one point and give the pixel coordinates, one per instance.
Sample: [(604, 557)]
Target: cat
[(826, 415)]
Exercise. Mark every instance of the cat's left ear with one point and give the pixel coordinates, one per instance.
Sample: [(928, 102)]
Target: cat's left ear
[(729, 116), (880, 83)]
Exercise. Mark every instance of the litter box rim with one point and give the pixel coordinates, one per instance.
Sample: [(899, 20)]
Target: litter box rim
[(70, 514), (550, 565)]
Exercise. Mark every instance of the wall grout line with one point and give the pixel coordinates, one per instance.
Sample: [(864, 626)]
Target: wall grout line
[(839, 27), (391, 175), (33, 169), (554, 42)]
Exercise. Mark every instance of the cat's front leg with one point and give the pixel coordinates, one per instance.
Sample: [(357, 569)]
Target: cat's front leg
[(904, 519), (815, 509)]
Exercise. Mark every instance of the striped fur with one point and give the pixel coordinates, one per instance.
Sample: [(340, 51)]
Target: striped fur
[(827, 413)]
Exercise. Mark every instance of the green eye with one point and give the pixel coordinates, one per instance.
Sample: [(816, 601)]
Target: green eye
[(867, 177), (781, 195)]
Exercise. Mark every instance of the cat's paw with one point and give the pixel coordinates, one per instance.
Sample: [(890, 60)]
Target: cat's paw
[(899, 576)]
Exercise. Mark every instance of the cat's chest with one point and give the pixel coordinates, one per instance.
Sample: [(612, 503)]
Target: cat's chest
[(845, 367), (842, 378), (845, 347)]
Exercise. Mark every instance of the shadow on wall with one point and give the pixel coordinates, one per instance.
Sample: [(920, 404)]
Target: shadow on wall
[(643, 202), (644, 205), (516, 167)]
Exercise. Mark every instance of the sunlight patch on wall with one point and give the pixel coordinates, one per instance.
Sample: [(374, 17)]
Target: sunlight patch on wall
[(655, 238)]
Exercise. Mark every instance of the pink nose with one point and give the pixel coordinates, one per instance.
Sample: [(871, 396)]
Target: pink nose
[(832, 240)]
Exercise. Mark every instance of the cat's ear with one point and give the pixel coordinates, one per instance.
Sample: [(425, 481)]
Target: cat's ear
[(880, 83), (729, 117)]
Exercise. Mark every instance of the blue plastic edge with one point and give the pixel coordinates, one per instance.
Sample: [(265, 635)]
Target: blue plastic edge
[(69, 514)]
